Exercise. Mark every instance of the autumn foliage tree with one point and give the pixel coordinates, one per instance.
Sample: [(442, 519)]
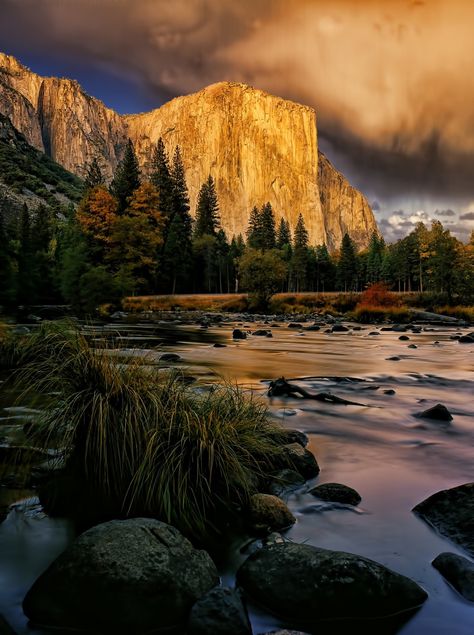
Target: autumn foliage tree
[(96, 216)]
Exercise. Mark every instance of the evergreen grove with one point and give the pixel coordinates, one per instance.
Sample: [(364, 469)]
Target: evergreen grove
[(137, 236)]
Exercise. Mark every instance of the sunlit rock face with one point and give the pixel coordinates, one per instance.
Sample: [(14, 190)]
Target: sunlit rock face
[(258, 148)]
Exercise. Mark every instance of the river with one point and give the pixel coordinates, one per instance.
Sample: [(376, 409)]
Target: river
[(391, 458)]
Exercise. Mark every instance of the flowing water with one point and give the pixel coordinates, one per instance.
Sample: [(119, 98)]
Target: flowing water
[(391, 458)]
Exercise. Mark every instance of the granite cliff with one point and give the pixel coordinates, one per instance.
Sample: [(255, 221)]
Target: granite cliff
[(258, 147)]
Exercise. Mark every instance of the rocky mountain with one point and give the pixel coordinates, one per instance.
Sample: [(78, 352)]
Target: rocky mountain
[(29, 176), (258, 148)]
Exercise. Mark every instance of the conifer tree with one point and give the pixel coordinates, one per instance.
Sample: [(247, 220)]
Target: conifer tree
[(94, 174), (177, 249), (24, 282), (267, 227), (6, 264), (375, 256), (161, 178), (301, 234), (254, 230), (126, 178), (299, 261), (284, 234), (207, 210), (347, 265)]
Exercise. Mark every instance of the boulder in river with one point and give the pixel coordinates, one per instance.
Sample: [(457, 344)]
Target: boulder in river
[(339, 328), (336, 493), (296, 436), (458, 571), (451, 512), (123, 576), (466, 339), (267, 513), (438, 412), (303, 584), (219, 612), (301, 460), (262, 333), (238, 334)]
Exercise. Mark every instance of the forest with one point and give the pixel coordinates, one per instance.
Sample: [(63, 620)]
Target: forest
[(136, 236)]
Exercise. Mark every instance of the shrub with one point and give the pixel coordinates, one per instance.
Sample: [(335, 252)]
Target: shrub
[(378, 294), (368, 314), (138, 442)]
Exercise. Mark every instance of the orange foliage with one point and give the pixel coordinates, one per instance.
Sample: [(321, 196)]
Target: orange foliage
[(378, 295), (96, 214)]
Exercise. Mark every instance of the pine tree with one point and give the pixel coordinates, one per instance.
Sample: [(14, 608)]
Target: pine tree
[(347, 265), (177, 249), (207, 210), (299, 261), (94, 174), (43, 246), (7, 291), (236, 250), (284, 234), (126, 178), (254, 230), (375, 257), (161, 178), (267, 225), (325, 270)]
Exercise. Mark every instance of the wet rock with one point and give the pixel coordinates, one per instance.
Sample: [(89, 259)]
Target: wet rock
[(403, 338), (374, 333), (389, 391), (219, 345), (336, 493), (412, 346), (312, 327), (267, 513), (394, 358), (170, 357), (296, 436), (466, 339), (285, 481), (238, 334), (262, 333), (295, 325), (303, 584), (357, 328), (339, 328), (451, 512), (438, 413), (129, 576), (458, 571), (220, 612), (301, 460)]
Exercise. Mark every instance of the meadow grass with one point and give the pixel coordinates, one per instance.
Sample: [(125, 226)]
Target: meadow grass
[(141, 442)]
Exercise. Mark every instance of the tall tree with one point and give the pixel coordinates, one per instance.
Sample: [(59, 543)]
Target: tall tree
[(267, 224), (347, 265), (161, 178), (126, 178), (299, 260), (25, 277), (96, 214), (284, 234), (7, 291), (254, 230), (94, 174), (177, 247), (375, 256), (207, 210)]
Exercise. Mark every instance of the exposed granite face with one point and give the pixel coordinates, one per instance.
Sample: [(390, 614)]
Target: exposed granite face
[(345, 209), (258, 148)]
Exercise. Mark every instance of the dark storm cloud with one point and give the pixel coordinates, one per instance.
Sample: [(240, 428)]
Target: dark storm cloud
[(391, 81), (444, 212), (467, 216)]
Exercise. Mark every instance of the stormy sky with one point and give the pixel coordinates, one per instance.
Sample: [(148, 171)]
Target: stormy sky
[(391, 81)]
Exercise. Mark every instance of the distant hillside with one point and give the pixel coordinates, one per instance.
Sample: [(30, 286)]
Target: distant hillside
[(30, 176)]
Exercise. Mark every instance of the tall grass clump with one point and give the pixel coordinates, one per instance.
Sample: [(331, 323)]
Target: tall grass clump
[(11, 347), (138, 442)]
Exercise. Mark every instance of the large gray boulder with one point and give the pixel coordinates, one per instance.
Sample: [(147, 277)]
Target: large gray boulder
[(123, 576), (303, 585), (451, 512), (219, 612)]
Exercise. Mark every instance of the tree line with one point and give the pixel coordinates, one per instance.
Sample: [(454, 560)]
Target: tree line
[(136, 235)]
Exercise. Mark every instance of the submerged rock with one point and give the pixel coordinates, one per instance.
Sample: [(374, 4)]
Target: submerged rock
[(336, 493), (458, 571), (285, 481), (219, 612), (123, 576), (262, 333), (170, 357), (267, 513), (303, 585), (451, 512), (438, 412)]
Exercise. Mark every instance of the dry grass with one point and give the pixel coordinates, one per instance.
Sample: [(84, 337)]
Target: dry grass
[(460, 312), (191, 302)]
